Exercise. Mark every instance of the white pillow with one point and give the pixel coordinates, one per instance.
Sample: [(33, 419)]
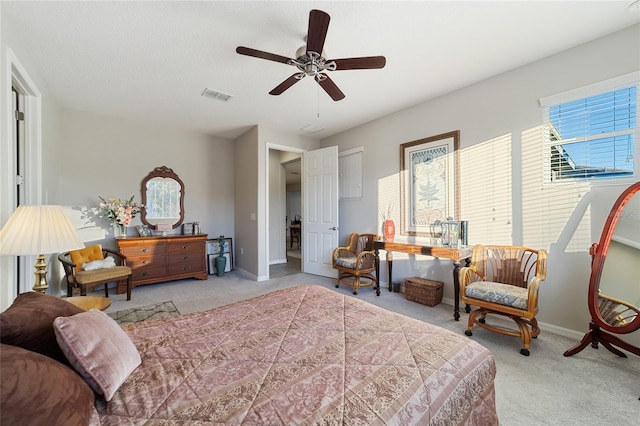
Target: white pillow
[(107, 262), (98, 349)]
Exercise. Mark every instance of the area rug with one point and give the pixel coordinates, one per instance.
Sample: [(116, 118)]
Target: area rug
[(144, 313)]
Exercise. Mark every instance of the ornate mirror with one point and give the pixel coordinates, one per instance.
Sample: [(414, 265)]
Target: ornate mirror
[(614, 288), (163, 198)]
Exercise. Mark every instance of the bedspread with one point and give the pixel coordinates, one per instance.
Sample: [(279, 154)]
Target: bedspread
[(304, 355)]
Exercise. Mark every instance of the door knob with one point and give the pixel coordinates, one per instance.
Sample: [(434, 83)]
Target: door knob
[(335, 228)]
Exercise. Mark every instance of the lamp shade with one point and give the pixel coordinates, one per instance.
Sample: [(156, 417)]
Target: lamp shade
[(38, 230)]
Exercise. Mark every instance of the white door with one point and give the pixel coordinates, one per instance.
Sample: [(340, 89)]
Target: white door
[(319, 210)]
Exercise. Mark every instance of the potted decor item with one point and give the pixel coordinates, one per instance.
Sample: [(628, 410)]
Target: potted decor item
[(388, 227), (221, 261)]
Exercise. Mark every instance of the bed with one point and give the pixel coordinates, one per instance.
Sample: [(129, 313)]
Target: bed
[(303, 355)]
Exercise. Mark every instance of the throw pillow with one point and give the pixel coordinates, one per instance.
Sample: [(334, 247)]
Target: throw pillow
[(107, 262), (37, 390), (98, 349), (28, 323)]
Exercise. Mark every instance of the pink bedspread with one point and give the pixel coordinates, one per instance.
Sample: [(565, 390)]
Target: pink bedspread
[(304, 355)]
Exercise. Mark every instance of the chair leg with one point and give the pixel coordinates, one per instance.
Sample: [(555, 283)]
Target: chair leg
[(356, 285), (525, 335), (69, 290), (106, 290), (83, 290), (129, 284)]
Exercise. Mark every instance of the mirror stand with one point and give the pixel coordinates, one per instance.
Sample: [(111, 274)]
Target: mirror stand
[(612, 295), (595, 335)]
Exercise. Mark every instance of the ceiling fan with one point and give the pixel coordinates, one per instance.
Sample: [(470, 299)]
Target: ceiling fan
[(310, 59)]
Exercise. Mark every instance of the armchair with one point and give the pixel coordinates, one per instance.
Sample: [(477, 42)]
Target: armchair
[(504, 280), (356, 262), (77, 277)]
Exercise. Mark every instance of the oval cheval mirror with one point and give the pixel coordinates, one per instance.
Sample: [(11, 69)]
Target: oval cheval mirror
[(614, 288)]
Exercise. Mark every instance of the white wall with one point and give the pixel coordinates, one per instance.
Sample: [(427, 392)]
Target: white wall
[(100, 155), (14, 53), (504, 105)]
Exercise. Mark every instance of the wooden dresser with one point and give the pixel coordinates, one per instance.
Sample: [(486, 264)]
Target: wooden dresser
[(157, 259)]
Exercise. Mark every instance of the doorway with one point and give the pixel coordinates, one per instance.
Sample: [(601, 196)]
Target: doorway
[(285, 206)]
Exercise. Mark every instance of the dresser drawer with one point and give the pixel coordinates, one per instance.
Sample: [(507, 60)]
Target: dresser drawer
[(143, 250), (145, 262), (186, 267), (186, 257), (185, 247), (143, 274)]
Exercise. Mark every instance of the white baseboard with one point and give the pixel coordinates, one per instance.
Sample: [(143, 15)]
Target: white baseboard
[(278, 261)]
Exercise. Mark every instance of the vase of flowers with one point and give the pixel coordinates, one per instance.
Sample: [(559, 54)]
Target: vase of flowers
[(120, 213)]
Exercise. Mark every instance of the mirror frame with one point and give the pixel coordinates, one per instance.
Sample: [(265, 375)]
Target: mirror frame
[(162, 172), (599, 252)]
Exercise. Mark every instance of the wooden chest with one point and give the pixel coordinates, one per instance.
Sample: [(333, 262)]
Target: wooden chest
[(158, 259), (424, 291)]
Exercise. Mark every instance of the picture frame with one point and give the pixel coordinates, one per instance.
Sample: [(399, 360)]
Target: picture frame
[(143, 230), (213, 249), (187, 228), (428, 177)]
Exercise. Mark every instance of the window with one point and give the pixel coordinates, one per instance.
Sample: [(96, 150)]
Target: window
[(591, 137)]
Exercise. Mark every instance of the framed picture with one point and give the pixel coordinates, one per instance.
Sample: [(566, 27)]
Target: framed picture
[(213, 248), (428, 175), (143, 230), (187, 228)]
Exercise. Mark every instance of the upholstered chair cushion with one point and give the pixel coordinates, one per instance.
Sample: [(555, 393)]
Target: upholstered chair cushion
[(503, 294), (37, 390), (28, 323), (86, 255), (101, 275), (347, 261)]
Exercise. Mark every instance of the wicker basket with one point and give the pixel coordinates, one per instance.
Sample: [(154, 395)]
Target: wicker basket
[(424, 291)]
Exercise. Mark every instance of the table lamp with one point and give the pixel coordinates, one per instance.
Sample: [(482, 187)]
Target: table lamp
[(38, 230)]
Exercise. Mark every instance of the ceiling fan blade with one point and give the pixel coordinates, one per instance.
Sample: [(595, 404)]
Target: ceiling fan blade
[(317, 32), (330, 87), (364, 63), (262, 55), (280, 88)]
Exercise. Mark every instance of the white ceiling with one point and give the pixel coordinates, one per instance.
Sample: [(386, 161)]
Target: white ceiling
[(150, 61)]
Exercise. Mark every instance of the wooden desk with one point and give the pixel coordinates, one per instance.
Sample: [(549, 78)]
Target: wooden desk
[(455, 254), (90, 302)]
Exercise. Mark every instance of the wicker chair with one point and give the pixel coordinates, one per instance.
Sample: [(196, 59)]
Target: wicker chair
[(356, 263), (615, 311), (504, 280), (78, 278)]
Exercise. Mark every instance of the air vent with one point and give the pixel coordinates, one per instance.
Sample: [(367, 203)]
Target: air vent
[(214, 94), (312, 128)]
